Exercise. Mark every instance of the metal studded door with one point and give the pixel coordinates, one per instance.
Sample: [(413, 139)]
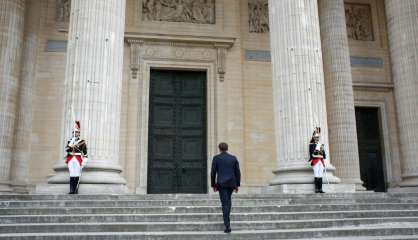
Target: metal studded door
[(177, 132)]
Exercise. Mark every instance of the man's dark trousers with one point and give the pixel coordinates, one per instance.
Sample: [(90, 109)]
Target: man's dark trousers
[(225, 194)]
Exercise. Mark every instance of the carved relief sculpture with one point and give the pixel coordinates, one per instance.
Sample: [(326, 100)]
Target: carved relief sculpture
[(359, 22), (63, 10), (258, 16), (192, 11)]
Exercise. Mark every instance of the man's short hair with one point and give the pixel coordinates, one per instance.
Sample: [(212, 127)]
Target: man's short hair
[(223, 147)]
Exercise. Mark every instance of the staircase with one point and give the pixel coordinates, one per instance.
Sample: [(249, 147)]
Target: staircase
[(198, 217)]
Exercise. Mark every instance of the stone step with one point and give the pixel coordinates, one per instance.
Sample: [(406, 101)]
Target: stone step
[(200, 202), (206, 209), (387, 229), (358, 195), (397, 237), (139, 203), (205, 217), (198, 226)]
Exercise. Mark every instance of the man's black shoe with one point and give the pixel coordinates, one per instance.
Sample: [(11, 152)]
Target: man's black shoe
[(228, 230)]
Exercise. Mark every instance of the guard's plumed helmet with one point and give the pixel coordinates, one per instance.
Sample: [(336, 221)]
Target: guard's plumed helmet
[(77, 126), (317, 132)]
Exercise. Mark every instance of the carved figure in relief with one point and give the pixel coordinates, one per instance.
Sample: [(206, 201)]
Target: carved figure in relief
[(358, 21), (63, 10), (194, 11), (258, 16)]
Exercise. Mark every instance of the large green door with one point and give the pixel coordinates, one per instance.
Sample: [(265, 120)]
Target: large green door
[(177, 132)]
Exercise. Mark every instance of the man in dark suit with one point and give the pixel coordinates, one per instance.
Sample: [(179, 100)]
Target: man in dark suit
[(225, 178)]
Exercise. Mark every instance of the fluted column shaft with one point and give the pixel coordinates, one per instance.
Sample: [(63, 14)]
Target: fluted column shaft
[(403, 34), (93, 86), (12, 14), (339, 91), (23, 126), (298, 87)]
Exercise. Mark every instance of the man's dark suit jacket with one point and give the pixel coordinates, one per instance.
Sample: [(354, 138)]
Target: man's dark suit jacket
[(226, 166)]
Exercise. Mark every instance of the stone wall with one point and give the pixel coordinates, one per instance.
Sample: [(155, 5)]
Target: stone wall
[(48, 90)]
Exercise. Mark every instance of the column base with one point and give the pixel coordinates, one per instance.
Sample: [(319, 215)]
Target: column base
[(83, 189), (141, 190), (410, 181), (252, 189), (357, 182), (92, 174), (5, 188), (301, 175), (310, 188), (95, 179), (21, 188), (403, 190)]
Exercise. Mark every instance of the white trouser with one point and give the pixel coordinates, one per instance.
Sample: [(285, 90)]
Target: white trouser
[(318, 169), (74, 167)]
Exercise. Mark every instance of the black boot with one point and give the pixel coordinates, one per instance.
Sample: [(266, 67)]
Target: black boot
[(316, 185), (76, 184), (320, 185), (71, 185)]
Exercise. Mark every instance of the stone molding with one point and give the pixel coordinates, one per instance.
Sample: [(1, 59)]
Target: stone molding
[(186, 48), (375, 87)]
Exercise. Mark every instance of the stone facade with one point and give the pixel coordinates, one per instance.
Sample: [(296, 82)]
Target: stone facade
[(230, 40)]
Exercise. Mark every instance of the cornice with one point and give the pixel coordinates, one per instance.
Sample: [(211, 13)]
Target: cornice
[(217, 42)]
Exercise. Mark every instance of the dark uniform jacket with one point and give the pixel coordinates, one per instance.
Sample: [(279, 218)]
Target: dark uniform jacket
[(313, 153), (80, 150), (225, 171)]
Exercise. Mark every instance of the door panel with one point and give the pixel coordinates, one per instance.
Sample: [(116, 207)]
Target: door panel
[(177, 132), (370, 149)]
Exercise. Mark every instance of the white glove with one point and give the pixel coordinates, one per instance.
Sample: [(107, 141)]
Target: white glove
[(85, 160)]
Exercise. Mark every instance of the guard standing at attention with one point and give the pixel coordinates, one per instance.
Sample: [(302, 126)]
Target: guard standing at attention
[(76, 157), (317, 157)]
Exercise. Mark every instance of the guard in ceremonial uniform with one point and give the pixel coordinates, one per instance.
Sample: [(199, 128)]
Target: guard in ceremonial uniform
[(76, 157), (317, 158)]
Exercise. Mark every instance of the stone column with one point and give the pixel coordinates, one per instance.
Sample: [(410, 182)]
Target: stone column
[(93, 87), (12, 14), (23, 126), (339, 91), (403, 34), (298, 91)]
